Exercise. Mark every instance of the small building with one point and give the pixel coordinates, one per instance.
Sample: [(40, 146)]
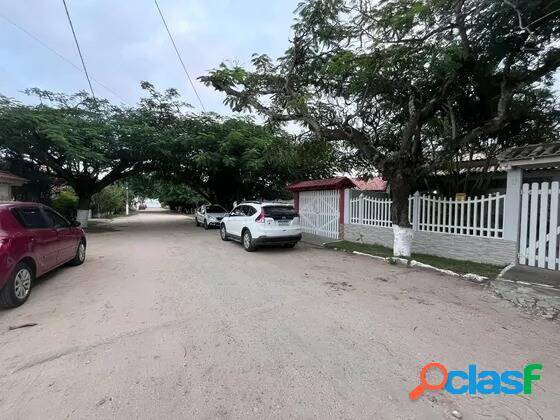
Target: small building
[(322, 203), (7, 182)]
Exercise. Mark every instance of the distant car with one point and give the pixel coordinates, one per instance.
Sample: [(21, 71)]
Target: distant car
[(209, 215), (34, 239), (142, 206), (256, 224)]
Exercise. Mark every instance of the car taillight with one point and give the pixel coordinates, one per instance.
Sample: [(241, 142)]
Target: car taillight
[(260, 217)]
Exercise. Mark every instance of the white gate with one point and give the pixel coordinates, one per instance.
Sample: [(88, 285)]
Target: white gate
[(538, 237), (318, 211)]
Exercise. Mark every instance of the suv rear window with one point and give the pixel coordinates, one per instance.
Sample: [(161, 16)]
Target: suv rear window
[(30, 217), (280, 212)]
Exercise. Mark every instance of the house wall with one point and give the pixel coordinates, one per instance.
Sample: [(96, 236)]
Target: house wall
[(468, 248), (5, 192)]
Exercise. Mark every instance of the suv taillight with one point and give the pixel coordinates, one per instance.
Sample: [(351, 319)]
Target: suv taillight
[(261, 216)]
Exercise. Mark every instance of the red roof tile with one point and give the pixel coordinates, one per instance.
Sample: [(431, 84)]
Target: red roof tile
[(374, 184), (323, 184)]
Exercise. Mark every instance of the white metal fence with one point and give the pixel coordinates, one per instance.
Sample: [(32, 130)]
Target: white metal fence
[(539, 229), (478, 216)]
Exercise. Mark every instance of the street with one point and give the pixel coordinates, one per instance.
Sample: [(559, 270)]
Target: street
[(165, 320)]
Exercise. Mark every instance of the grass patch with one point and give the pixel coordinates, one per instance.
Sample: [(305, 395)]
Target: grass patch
[(458, 266)]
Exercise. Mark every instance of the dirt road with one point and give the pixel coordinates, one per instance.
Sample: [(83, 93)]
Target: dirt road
[(165, 320)]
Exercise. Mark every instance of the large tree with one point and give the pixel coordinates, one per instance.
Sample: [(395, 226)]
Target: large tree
[(87, 142), (230, 159), (386, 76)]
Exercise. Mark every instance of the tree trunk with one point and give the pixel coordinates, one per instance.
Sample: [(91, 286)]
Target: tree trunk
[(401, 187), (83, 210)]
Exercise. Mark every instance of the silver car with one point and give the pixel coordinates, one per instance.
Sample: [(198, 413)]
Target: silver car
[(209, 215)]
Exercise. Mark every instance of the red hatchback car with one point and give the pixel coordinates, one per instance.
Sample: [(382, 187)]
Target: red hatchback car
[(34, 239)]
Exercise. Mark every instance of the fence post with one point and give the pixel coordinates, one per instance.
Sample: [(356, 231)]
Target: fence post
[(347, 198), (361, 209), (416, 211), (513, 204)]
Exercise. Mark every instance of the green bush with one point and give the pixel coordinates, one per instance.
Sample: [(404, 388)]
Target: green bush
[(109, 201), (65, 202)]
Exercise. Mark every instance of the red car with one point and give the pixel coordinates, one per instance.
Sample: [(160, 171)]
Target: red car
[(34, 239)]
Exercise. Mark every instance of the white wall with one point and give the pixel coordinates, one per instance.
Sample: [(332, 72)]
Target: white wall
[(459, 247), (5, 192)]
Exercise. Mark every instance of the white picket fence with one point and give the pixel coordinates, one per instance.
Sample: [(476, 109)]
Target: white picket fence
[(370, 211), (539, 229), (478, 216)]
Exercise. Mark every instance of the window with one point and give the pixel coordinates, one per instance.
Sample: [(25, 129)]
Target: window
[(30, 217), (250, 210), (280, 212), (55, 219), (239, 211)]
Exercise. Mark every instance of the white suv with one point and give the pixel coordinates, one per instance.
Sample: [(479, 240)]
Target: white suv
[(256, 224), (209, 215)]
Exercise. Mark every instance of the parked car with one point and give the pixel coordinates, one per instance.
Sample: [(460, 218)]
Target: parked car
[(34, 239), (256, 224), (209, 215)]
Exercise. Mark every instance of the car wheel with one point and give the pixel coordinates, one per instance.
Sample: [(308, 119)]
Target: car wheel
[(196, 221), (223, 233), (248, 241), (290, 245), (206, 224), (17, 289), (80, 256)]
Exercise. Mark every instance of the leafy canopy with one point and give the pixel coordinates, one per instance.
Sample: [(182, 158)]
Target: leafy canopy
[(409, 83)]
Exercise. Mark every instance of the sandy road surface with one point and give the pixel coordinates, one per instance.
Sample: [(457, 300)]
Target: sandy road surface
[(164, 320)]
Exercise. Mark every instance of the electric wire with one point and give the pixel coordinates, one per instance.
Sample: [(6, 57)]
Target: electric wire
[(79, 50), (48, 47), (179, 55)]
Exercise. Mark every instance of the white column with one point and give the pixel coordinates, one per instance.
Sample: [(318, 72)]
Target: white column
[(82, 216), (416, 211), (347, 206), (512, 207), (361, 209)]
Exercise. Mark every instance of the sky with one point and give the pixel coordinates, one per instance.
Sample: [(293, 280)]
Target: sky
[(125, 42)]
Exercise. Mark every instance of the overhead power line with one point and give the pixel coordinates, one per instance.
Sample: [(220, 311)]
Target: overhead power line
[(179, 55), (78, 46), (48, 47)]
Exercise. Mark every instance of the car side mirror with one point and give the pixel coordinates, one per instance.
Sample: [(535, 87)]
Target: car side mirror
[(75, 223), (232, 214)]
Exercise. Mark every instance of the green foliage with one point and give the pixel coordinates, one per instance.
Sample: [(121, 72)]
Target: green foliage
[(226, 160), (65, 201), (89, 143), (411, 84), (109, 201)]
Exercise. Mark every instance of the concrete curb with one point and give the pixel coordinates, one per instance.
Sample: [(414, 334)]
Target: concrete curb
[(475, 278), (503, 277)]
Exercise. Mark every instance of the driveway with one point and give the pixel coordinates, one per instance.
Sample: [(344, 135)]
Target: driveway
[(165, 320)]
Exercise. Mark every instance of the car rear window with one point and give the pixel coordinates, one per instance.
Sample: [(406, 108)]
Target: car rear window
[(280, 212), (215, 209), (30, 217)]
